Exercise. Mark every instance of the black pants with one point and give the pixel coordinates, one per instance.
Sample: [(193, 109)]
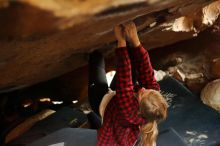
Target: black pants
[(98, 85)]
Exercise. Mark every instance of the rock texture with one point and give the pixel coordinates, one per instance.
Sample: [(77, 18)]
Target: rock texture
[(199, 60), (4, 3), (41, 40), (210, 95)]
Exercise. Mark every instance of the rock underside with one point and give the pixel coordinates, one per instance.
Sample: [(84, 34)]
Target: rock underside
[(41, 40)]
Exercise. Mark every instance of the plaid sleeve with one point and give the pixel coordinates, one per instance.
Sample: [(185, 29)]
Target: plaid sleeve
[(145, 71), (127, 104)]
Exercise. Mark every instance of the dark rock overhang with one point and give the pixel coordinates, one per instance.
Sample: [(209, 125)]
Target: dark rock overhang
[(39, 42)]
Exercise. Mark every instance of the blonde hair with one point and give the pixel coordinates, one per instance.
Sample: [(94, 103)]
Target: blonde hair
[(153, 107)]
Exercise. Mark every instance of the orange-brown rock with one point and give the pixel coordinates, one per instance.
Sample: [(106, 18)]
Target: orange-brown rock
[(210, 95), (4, 3), (41, 40)]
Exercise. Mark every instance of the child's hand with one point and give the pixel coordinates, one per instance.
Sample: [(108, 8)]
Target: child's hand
[(131, 33), (120, 36)]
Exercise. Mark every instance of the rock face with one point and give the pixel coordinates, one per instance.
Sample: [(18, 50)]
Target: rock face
[(199, 64), (41, 39), (4, 3), (210, 95)]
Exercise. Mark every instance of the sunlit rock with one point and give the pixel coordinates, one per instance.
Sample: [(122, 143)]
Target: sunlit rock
[(211, 13), (159, 75), (184, 24), (210, 95), (70, 8)]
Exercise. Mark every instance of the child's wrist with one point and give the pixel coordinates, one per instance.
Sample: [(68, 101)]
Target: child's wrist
[(136, 43), (121, 44)]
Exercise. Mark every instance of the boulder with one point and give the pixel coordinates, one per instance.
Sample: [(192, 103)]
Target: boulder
[(210, 95)]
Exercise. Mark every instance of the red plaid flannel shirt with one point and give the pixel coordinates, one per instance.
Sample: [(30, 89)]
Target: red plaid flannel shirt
[(121, 121)]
